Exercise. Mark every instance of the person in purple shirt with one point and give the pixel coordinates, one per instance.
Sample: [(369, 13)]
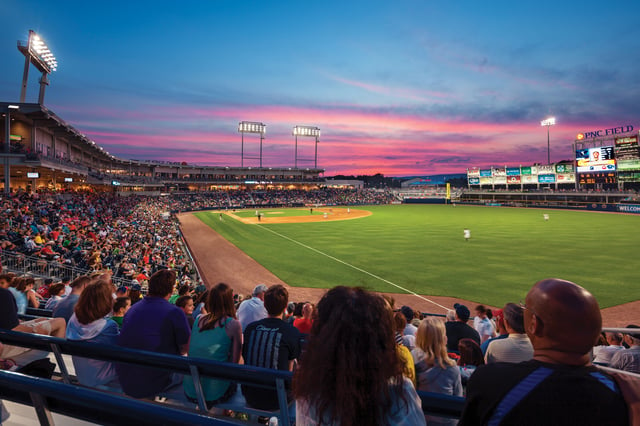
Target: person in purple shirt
[(153, 324)]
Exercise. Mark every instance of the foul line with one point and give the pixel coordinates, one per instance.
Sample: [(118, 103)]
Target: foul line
[(355, 267)]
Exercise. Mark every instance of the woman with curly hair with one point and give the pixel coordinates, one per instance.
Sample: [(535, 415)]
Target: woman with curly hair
[(435, 370), (351, 373)]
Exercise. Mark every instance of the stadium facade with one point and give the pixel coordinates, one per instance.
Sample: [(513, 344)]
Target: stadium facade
[(42, 151)]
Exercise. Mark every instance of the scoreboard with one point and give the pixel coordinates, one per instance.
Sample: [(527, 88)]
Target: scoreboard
[(596, 177)]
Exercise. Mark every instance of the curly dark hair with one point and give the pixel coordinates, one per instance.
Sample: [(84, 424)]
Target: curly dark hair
[(350, 371)]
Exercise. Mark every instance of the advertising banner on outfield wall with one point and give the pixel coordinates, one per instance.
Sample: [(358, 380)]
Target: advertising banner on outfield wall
[(546, 169), (500, 180), (513, 179), (529, 179), (474, 181), (564, 168), (566, 178), (484, 180), (513, 171)]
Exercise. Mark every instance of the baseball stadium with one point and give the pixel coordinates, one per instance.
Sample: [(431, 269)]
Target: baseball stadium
[(72, 211)]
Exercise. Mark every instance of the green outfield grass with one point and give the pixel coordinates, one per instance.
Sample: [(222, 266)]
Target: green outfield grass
[(421, 248)]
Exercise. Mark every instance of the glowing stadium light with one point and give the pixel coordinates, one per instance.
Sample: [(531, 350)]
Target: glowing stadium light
[(38, 54), (551, 121), (251, 127), (310, 131)]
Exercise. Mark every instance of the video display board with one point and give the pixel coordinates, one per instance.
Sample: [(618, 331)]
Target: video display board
[(596, 160), (627, 153)]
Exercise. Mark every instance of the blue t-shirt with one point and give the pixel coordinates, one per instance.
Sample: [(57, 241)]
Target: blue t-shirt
[(155, 325), (64, 308)]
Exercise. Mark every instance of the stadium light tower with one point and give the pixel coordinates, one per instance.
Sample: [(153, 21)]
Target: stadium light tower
[(306, 131), (37, 53), (251, 127), (548, 122)]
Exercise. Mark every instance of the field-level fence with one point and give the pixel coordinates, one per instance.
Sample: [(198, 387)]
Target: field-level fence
[(40, 268)]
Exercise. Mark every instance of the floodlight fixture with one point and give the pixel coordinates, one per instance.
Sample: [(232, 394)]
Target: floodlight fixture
[(36, 52), (551, 121), (310, 131), (15, 107), (548, 122), (251, 127)]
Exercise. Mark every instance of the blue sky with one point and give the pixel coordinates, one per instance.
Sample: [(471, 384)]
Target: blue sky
[(401, 88)]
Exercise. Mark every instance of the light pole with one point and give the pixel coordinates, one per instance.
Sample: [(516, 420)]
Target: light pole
[(251, 127), (548, 122), (306, 131), (36, 52)]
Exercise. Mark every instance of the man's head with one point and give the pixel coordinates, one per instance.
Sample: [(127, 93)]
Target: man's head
[(79, 284), (307, 310), (513, 318), (481, 311), (407, 312), (5, 280), (462, 312), (259, 291), (562, 321), (276, 299), (161, 283), (632, 339), (614, 339)]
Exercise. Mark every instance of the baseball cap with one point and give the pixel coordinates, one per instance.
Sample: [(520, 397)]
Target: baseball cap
[(462, 312), (634, 335)]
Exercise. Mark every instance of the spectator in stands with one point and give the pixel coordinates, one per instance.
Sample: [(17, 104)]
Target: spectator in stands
[(470, 357), (56, 294), (515, 348), (436, 372), (559, 386), (304, 324), (459, 329), (253, 309), (400, 323), (409, 329), (182, 291), (482, 324), (135, 293), (403, 348), (216, 336), (64, 308), (18, 287), (628, 359), (153, 324), (9, 321), (613, 343), (43, 290), (200, 303), (270, 343), (123, 291), (186, 304), (502, 332), (89, 324), (120, 308), (351, 373)]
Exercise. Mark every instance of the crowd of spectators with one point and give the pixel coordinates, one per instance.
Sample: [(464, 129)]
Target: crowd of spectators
[(356, 359)]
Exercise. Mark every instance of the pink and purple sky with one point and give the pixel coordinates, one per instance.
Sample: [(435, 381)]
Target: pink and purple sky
[(400, 88)]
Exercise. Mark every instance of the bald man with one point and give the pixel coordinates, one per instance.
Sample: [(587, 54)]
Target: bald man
[(559, 386)]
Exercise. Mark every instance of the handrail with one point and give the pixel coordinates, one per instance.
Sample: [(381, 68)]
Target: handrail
[(95, 406), (432, 403)]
